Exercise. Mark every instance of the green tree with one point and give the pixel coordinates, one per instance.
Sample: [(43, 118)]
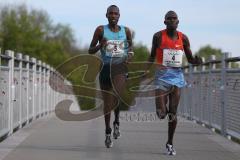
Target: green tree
[(141, 52), (208, 50), (32, 32)]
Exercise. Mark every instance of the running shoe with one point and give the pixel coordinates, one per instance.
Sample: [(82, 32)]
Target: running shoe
[(108, 141), (116, 131), (170, 150)]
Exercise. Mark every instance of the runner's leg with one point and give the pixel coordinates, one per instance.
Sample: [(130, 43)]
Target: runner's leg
[(174, 98), (161, 102)]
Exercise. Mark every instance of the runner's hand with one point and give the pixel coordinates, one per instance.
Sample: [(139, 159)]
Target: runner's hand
[(103, 43)]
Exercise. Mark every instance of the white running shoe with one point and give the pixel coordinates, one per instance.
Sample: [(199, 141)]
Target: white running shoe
[(170, 150), (116, 131), (108, 141)]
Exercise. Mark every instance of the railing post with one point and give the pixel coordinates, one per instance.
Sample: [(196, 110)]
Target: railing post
[(203, 67), (39, 64), (55, 88), (38, 88), (33, 98), (47, 88), (201, 95), (223, 95), (19, 57), (211, 68), (44, 87), (191, 90), (229, 64), (26, 59), (185, 104), (50, 88), (10, 90)]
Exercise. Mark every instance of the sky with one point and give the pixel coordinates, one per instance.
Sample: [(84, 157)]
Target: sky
[(213, 22)]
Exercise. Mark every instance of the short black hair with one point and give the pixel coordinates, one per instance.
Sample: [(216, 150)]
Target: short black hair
[(111, 6), (170, 12)]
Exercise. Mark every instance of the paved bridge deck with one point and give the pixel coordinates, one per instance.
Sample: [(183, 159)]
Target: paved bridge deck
[(52, 139)]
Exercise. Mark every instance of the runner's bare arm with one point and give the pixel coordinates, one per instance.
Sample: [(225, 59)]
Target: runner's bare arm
[(129, 39), (97, 41), (188, 52), (155, 44)]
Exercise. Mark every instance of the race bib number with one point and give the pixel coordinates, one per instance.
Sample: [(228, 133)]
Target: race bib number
[(115, 48), (172, 57)]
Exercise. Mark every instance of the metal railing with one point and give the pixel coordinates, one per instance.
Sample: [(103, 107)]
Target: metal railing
[(212, 95), (25, 93)]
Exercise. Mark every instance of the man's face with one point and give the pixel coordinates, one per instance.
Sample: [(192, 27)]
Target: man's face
[(171, 21), (113, 15)]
